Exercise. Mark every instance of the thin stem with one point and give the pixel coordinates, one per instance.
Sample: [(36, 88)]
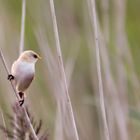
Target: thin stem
[(6, 68), (61, 66), (22, 26), (21, 45), (98, 62), (17, 96)]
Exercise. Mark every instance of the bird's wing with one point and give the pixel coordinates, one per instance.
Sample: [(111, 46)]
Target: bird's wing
[(25, 82)]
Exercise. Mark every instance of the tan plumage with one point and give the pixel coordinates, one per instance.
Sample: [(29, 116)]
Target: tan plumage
[(23, 70)]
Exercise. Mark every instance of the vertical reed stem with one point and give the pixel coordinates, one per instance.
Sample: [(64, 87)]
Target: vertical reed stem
[(22, 27), (92, 7), (61, 66)]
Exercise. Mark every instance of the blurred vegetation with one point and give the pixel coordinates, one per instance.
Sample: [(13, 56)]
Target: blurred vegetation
[(76, 37)]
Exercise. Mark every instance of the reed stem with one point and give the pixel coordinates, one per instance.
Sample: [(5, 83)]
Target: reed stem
[(92, 9), (61, 67), (21, 46)]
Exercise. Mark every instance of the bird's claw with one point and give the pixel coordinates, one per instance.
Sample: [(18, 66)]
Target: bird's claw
[(21, 102), (21, 94), (10, 77)]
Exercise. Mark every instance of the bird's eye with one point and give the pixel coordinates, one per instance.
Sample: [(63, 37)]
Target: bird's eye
[(35, 56)]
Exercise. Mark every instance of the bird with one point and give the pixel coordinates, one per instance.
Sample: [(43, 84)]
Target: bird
[(23, 72)]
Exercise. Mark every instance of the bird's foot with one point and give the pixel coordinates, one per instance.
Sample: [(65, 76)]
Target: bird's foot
[(10, 77), (21, 95), (21, 102)]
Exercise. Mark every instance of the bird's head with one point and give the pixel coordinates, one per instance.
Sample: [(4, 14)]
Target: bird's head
[(29, 56)]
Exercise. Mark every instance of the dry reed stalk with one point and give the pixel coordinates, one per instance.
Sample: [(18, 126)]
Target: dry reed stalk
[(17, 96), (93, 70), (61, 67), (92, 10), (54, 77), (121, 43), (105, 17), (55, 86), (4, 124), (21, 46), (112, 92), (121, 49), (119, 114)]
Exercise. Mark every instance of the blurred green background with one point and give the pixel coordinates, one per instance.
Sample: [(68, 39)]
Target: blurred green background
[(119, 36)]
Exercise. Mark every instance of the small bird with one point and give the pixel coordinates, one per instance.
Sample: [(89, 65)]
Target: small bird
[(23, 71)]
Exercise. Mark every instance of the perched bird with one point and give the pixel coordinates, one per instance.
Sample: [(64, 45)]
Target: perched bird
[(23, 71)]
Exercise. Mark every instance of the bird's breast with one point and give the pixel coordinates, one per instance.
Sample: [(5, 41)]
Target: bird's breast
[(27, 67), (23, 68), (23, 73)]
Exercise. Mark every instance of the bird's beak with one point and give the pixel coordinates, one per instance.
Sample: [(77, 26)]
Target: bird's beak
[(39, 57)]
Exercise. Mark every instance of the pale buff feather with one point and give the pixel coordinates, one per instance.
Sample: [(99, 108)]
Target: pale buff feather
[(23, 73), (23, 70)]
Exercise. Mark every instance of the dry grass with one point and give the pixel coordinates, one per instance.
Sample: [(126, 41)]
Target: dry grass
[(92, 9), (107, 68), (22, 126)]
